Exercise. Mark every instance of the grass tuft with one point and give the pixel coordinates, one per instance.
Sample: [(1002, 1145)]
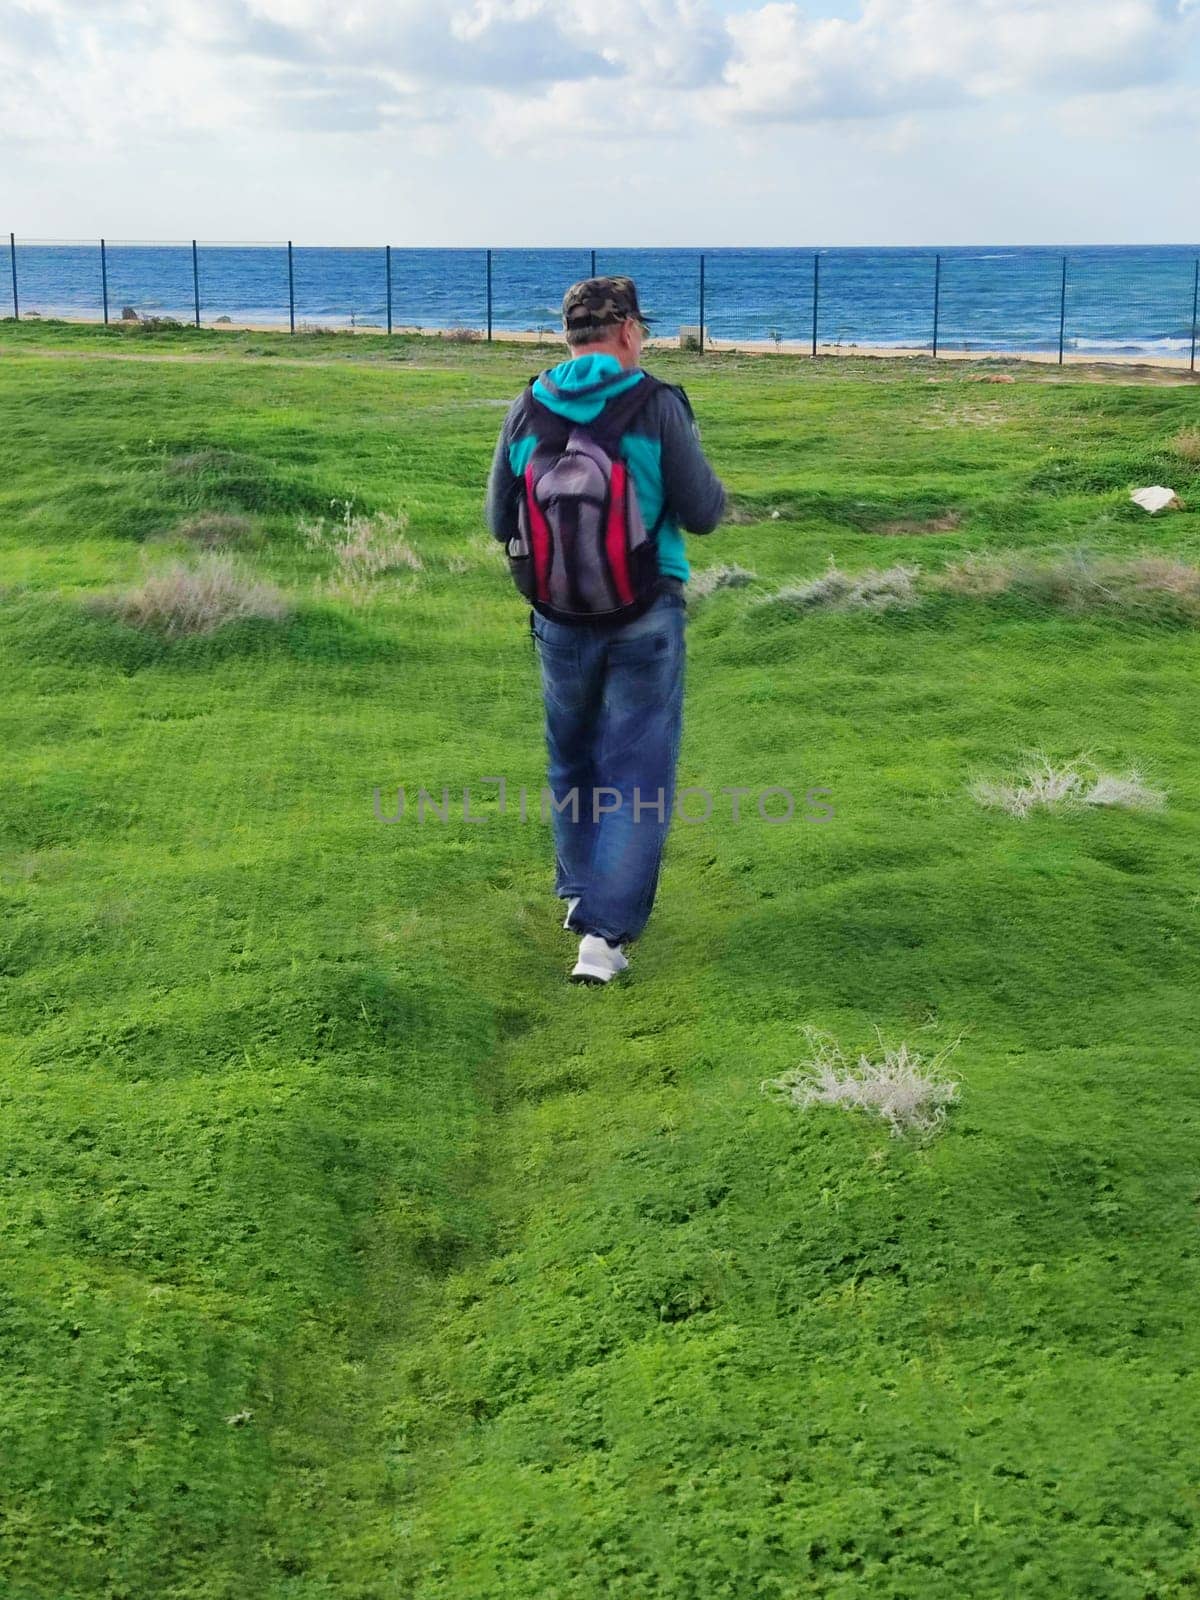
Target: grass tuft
[(362, 549), (1186, 444), (897, 1084), (1077, 581), (711, 579), (835, 590), (187, 599)]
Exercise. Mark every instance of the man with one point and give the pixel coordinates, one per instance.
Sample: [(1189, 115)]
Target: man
[(613, 692)]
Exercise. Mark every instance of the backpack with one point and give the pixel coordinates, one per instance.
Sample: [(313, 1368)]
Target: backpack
[(582, 553)]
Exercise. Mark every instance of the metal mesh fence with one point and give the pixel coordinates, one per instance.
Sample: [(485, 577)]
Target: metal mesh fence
[(877, 300), (528, 285), (1128, 302), (758, 296), (998, 299), (1119, 312), (243, 284), (154, 279), (58, 277)]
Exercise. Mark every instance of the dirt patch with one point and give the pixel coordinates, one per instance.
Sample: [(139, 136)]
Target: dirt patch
[(197, 463), (989, 414), (741, 513), (946, 523), (211, 528)]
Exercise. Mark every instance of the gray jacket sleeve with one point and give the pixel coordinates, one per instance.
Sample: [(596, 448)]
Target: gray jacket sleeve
[(501, 508), (695, 495)]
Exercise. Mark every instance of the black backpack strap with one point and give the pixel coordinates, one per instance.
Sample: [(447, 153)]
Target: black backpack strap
[(620, 412)]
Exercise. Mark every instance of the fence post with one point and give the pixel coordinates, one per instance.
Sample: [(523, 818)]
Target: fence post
[(291, 291), (937, 300), (1195, 308), (388, 258), (104, 280), (489, 294), (196, 281), (701, 305), (593, 271), (1062, 312), (816, 281), (12, 252)]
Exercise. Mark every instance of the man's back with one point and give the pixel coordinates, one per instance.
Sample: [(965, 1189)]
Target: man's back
[(670, 472)]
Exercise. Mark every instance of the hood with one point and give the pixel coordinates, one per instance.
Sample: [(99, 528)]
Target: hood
[(579, 389)]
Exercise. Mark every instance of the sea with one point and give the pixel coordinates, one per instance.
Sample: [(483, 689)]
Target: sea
[(1133, 300)]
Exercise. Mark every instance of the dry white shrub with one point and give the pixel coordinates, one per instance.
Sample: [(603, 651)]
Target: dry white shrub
[(835, 590), (1042, 784), (199, 598), (897, 1084), (713, 578), (1128, 790)]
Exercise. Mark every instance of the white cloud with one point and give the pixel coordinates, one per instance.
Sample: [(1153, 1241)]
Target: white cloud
[(664, 44), (110, 69), (518, 72), (1169, 110), (583, 112), (910, 55)]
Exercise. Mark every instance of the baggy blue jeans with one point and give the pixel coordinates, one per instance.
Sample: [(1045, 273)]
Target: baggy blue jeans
[(614, 716)]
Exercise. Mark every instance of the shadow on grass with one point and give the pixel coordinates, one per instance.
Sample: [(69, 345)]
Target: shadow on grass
[(215, 479)]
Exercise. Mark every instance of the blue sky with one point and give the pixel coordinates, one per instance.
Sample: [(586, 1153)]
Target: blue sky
[(544, 122)]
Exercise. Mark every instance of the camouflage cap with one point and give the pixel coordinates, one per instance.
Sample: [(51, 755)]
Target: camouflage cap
[(601, 303)]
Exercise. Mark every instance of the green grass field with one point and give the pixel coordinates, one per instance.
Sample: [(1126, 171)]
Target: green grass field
[(350, 1253)]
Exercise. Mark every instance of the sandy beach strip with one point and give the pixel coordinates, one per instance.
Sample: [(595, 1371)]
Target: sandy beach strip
[(789, 347)]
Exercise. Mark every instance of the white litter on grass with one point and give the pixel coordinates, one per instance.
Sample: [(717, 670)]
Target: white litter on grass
[(1156, 498), (899, 1085)]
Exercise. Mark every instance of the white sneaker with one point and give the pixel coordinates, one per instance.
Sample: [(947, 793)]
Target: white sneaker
[(599, 961), (571, 904)]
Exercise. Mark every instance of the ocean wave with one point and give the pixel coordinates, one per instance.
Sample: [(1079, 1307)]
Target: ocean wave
[(1136, 347)]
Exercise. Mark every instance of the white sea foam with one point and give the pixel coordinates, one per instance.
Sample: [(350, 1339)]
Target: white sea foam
[(1135, 346)]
